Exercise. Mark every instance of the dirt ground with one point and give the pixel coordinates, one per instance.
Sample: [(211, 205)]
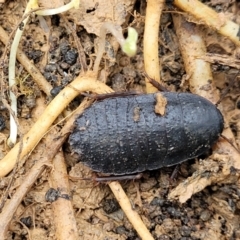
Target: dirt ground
[(50, 44)]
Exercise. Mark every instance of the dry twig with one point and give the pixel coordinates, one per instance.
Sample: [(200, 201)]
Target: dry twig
[(211, 18), (151, 33), (198, 71), (132, 215), (63, 213), (221, 59)]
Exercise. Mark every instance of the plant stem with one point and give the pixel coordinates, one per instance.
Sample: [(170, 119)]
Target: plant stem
[(128, 45), (192, 47), (210, 18), (131, 214), (11, 76), (150, 44), (64, 8)]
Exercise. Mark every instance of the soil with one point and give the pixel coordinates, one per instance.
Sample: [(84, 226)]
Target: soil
[(212, 213)]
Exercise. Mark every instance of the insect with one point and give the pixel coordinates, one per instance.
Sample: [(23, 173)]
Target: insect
[(124, 135)]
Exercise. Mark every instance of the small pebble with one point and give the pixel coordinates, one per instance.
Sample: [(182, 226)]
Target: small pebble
[(110, 205), (205, 215), (185, 231), (52, 195), (71, 57), (56, 90), (64, 47), (50, 68), (27, 221)]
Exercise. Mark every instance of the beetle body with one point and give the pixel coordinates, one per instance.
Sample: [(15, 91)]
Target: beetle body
[(124, 135)]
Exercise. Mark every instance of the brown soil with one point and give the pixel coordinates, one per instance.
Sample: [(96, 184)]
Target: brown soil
[(212, 213)]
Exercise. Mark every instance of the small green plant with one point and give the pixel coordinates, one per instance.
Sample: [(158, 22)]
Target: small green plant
[(128, 45)]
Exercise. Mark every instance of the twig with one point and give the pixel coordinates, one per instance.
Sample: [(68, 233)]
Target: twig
[(132, 215), (151, 33), (221, 59), (63, 213), (198, 71), (211, 18)]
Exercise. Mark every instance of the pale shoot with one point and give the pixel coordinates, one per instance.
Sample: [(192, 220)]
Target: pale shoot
[(128, 45)]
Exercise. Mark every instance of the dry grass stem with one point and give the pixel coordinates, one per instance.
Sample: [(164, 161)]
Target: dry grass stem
[(12, 76), (132, 215), (221, 59), (63, 213), (211, 18), (150, 44), (192, 47)]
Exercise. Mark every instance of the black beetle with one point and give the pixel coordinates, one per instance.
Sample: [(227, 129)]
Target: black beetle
[(110, 139)]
